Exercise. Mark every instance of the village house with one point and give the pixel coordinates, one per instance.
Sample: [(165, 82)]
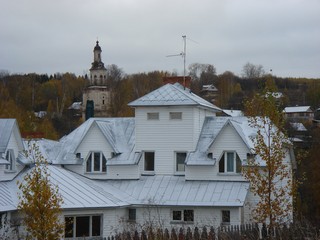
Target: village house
[(176, 163)]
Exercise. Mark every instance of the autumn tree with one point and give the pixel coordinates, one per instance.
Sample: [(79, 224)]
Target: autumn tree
[(39, 200), (268, 169)]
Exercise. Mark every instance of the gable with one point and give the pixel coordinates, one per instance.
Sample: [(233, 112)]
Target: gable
[(94, 140), (10, 135), (229, 139)]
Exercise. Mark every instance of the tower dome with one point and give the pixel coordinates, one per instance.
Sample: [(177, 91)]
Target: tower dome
[(98, 72)]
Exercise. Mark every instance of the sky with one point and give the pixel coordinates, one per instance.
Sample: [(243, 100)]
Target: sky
[(46, 37)]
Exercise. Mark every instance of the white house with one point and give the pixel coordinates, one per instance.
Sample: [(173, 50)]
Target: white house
[(174, 164)]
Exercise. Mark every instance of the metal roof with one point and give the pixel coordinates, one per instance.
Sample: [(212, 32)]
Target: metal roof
[(76, 191), (161, 190), (297, 109), (165, 190), (172, 95)]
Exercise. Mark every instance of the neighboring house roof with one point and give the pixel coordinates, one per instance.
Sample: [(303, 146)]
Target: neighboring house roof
[(297, 109), (119, 133), (164, 190), (298, 126), (173, 95), (75, 106), (233, 113), (209, 88)]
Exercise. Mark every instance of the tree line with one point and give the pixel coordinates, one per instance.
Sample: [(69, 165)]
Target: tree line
[(23, 94)]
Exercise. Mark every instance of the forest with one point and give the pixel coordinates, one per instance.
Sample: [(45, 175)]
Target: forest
[(23, 95)]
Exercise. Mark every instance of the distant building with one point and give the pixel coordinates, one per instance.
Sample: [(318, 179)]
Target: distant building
[(97, 93), (299, 113)]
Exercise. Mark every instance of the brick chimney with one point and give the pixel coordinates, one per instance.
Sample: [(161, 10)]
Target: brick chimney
[(184, 81)]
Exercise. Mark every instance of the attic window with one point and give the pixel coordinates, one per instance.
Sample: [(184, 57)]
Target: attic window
[(10, 158), (153, 116), (96, 162), (229, 163), (175, 115)]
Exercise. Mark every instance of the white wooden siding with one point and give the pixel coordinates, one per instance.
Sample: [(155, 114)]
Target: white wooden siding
[(93, 141), (203, 216), (123, 172), (165, 136), (227, 140)]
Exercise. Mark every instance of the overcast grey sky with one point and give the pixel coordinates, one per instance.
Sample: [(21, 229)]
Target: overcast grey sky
[(46, 36)]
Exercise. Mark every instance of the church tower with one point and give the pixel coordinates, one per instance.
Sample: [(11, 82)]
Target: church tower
[(98, 73), (96, 97)]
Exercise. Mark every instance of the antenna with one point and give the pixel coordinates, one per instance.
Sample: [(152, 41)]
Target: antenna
[(184, 55)]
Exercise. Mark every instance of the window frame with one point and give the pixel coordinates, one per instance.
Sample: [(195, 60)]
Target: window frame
[(102, 162), (175, 115), (153, 116), (9, 156), (72, 222), (132, 214), (182, 172), (225, 217), (236, 163), (183, 216), (145, 159)]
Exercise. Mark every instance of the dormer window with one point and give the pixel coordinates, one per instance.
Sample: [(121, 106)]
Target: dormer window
[(96, 163), (229, 163), (10, 158)]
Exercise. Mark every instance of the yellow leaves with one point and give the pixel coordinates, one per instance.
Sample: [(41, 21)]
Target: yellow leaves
[(39, 200), (266, 181)]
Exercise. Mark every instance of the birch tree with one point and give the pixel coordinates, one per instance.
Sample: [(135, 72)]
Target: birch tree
[(269, 175), (40, 201)]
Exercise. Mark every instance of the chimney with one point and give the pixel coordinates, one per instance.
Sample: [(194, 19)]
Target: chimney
[(184, 81)]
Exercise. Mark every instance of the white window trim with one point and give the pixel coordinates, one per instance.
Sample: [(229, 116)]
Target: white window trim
[(10, 168), (91, 153), (176, 162), (182, 216), (225, 159)]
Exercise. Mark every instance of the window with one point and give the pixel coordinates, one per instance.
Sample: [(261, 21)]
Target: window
[(175, 115), (230, 163), (225, 214), (180, 160), (96, 162), (82, 226), (153, 116), (132, 214), (182, 215), (10, 158), (149, 161)]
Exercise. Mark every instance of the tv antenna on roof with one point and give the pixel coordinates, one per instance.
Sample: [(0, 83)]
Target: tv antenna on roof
[(183, 54)]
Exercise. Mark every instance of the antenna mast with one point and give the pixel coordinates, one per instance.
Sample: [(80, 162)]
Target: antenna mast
[(183, 54), (184, 59)]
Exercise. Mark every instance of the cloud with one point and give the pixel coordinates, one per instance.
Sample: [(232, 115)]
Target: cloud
[(58, 36)]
